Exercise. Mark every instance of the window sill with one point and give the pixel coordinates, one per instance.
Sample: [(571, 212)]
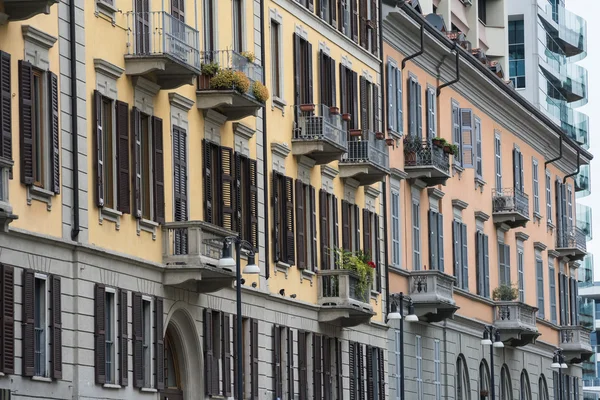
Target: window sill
[(111, 386), (549, 226), (457, 169), (146, 226), (39, 194), (394, 134), (374, 295), (278, 103), (107, 9), (479, 183), (110, 215), (148, 390), (282, 267), (308, 275), (41, 379), (537, 217)]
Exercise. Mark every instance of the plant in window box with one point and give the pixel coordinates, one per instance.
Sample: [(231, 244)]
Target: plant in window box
[(228, 79), (379, 136), (506, 293), (248, 55), (411, 145), (439, 142), (307, 108), (207, 71), (360, 263), (347, 117), (355, 132), (260, 91), (451, 149)]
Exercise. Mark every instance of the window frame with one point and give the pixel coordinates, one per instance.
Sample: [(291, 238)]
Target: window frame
[(109, 180), (539, 267), (46, 324), (437, 369), (148, 375), (419, 366), (40, 109), (416, 234), (394, 99), (146, 170), (478, 149), (237, 24), (498, 160), (548, 197), (113, 377), (536, 187), (521, 272), (396, 229), (512, 28), (276, 67)]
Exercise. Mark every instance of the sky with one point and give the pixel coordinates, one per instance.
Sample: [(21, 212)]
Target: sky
[(588, 9)]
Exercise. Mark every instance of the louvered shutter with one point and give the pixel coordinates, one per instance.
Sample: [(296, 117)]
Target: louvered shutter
[(363, 23), (466, 126), (302, 368), (227, 191), (521, 170), (5, 107), (208, 352), (342, 23), (277, 378), (208, 187), (28, 322), (344, 100), (332, 81), (138, 340), (354, 97), (235, 357), (122, 150), (7, 325), (324, 228), (354, 16), (367, 244), (123, 339), (381, 374), (226, 356), (480, 264), (323, 75), (56, 328), (339, 369), (327, 383), (313, 228), (363, 101), (376, 118), (356, 210), (377, 251), (332, 12), (136, 165), (289, 221), (54, 132), (346, 225), (26, 123), (254, 352), (311, 5), (99, 150), (465, 257), (159, 344), (430, 100), (277, 199), (370, 383), (486, 266), (158, 168), (336, 227), (374, 27), (290, 362), (391, 97), (399, 103), (300, 222), (361, 371), (516, 169), (507, 263), (309, 73), (317, 366), (419, 95), (100, 334), (297, 69), (440, 239), (237, 193), (352, 374), (433, 239), (180, 175), (456, 233), (412, 107), (253, 171)]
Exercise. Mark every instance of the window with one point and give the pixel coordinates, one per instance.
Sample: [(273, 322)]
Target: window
[(536, 187), (539, 268), (548, 198), (478, 150), (415, 113), (525, 392), (367, 16), (484, 379), (41, 327), (416, 236), (209, 27), (283, 219), (109, 329), (375, 374), (504, 263), (148, 347), (346, 18), (238, 25), (419, 357), (306, 226), (146, 168), (180, 188), (147, 342), (109, 165), (437, 374), (328, 12), (397, 357), (570, 224), (303, 81), (563, 290), (431, 113), (349, 95), (218, 190), (371, 243), (245, 218), (498, 160), (483, 264), (39, 141), (543, 388), (521, 273), (461, 254), (505, 384), (356, 361), (463, 387), (394, 93), (436, 240), (481, 11), (518, 173), (395, 211), (276, 77), (351, 227), (466, 137), (328, 225), (369, 103), (327, 77), (516, 53), (552, 283)]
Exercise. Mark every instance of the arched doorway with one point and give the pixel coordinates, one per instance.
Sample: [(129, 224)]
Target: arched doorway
[(173, 388)]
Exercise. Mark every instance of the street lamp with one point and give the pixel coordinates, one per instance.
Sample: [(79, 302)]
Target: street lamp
[(558, 362), (397, 314), (227, 261), (490, 332)]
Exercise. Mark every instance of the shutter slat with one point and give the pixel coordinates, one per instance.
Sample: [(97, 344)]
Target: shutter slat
[(361, 371), (354, 16), (207, 180), (5, 107), (28, 322), (336, 227), (277, 198), (457, 252), (377, 251), (100, 334), (376, 118), (254, 351), (419, 115), (159, 170), (54, 133), (8, 320), (354, 96), (122, 150), (367, 247), (332, 78), (123, 339), (159, 356), (309, 72), (253, 172), (391, 97), (313, 228), (297, 69), (327, 383), (289, 221), (26, 123), (226, 356), (227, 190), (136, 162), (56, 331), (339, 370), (138, 337), (300, 222), (208, 351)]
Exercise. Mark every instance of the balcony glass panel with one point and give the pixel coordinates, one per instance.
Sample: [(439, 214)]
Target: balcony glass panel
[(584, 220), (583, 182), (568, 29), (571, 238)]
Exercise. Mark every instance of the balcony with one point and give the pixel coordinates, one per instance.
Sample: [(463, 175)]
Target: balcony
[(17, 10), (432, 294), (162, 49), (510, 206), (568, 29), (366, 160), (576, 345), (320, 134), (426, 162), (582, 182), (232, 97), (191, 251), (516, 323), (342, 304), (570, 242), (584, 220)]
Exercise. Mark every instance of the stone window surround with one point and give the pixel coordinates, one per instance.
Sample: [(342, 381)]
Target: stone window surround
[(328, 174), (279, 152), (241, 138), (276, 18), (435, 196)]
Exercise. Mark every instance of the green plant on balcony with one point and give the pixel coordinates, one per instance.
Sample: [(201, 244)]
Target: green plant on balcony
[(209, 69), (438, 141), (260, 91), (248, 55), (229, 79), (450, 148), (360, 263), (506, 293)]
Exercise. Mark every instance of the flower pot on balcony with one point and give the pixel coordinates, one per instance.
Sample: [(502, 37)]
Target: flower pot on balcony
[(203, 82), (389, 141), (346, 117), (334, 110), (379, 136), (307, 107), (355, 132), (448, 149), (438, 142)]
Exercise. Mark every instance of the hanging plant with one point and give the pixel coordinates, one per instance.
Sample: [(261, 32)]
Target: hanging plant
[(260, 91), (360, 263)]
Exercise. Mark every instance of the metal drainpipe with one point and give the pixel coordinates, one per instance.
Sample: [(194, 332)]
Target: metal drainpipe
[(560, 150), (74, 132), (452, 82), (445, 337), (576, 171), (418, 53), (386, 268), (264, 133)]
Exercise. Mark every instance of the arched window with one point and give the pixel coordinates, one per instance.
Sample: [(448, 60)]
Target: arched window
[(525, 393), (505, 384), (543, 389), (463, 388), (484, 381)]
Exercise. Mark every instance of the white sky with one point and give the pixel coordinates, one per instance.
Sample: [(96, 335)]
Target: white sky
[(589, 9)]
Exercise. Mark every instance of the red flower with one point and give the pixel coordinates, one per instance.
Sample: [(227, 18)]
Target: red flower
[(372, 264)]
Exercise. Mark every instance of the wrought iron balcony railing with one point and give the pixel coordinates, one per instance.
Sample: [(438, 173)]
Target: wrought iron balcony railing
[(320, 124), (571, 238), (419, 153), (510, 200), (367, 148)]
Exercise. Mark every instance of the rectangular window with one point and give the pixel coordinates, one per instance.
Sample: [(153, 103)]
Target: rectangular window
[(456, 132), (41, 348), (306, 229), (303, 71), (147, 342), (276, 59), (521, 274), (437, 374), (110, 338), (109, 161), (209, 25), (146, 167), (478, 150), (283, 218), (431, 113), (461, 254), (483, 265), (327, 79), (394, 93), (548, 197), (416, 237), (504, 263), (419, 357), (415, 113), (518, 170), (396, 248), (466, 135), (357, 373), (436, 240), (371, 243), (349, 95), (498, 160), (328, 226), (516, 53), (570, 224), (481, 11), (536, 187), (238, 25), (539, 268), (344, 21), (38, 116), (397, 357)]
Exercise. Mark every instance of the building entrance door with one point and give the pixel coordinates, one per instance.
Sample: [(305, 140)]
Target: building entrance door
[(173, 389)]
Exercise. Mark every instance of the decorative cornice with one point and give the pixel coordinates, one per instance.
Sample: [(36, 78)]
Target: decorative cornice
[(146, 86), (180, 101), (280, 149), (214, 117), (306, 162), (34, 35), (480, 215), (109, 69), (372, 192), (521, 236), (418, 183), (539, 246), (243, 130), (329, 172), (460, 204), (553, 253), (398, 173)]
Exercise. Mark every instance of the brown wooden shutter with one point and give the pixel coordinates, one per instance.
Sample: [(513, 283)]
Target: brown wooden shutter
[(207, 180), (138, 337), (381, 374), (336, 227), (346, 225), (370, 383), (377, 251), (331, 73), (100, 333), (158, 166), (159, 356), (7, 325), (253, 170), (374, 27), (309, 72), (56, 331), (343, 96), (289, 221), (339, 372), (277, 378), (136, 152), (227, 191), (333, 12), (318, 366), (340, 20), (352, 364), (367, 248), (376, 120), (226, 356), (254, 354), (311, 5), (237, 186), (356, 210), (298, 68), (5, 107), (99, 150), (327, 383), (300, 222), (361, 371), (26, 125), (302, 369), (217, 319), (123, 339), (363, 23), (324, 225), (235, 356), (354, 97), (54, 132), (313, 228), (354, 17), (27, 323), (323, 76), (277, 198), (208, 352), (290, 362), (364, 101), (122, 150)]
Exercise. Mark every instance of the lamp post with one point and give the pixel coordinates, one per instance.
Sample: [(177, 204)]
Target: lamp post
[(490, 332), (227, 261), (397, 303), (558, 362)]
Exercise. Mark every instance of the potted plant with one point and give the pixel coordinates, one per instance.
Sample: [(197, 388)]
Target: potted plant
[(207, 71), (307, 107), (379, 135), (411, 145), (505, 293), (438, 141), (260, 91), (355, 132), (334, 110), (360, 263), (346, 117), (248, 55), (228, 79), (450, 148), (389, 141)]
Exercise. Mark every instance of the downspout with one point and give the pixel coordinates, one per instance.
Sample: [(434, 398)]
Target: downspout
[(418, 53), (560, 150), (264, 134), (452, 82), (386, 267), (74, 132), (577, 170), (445, 338)]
